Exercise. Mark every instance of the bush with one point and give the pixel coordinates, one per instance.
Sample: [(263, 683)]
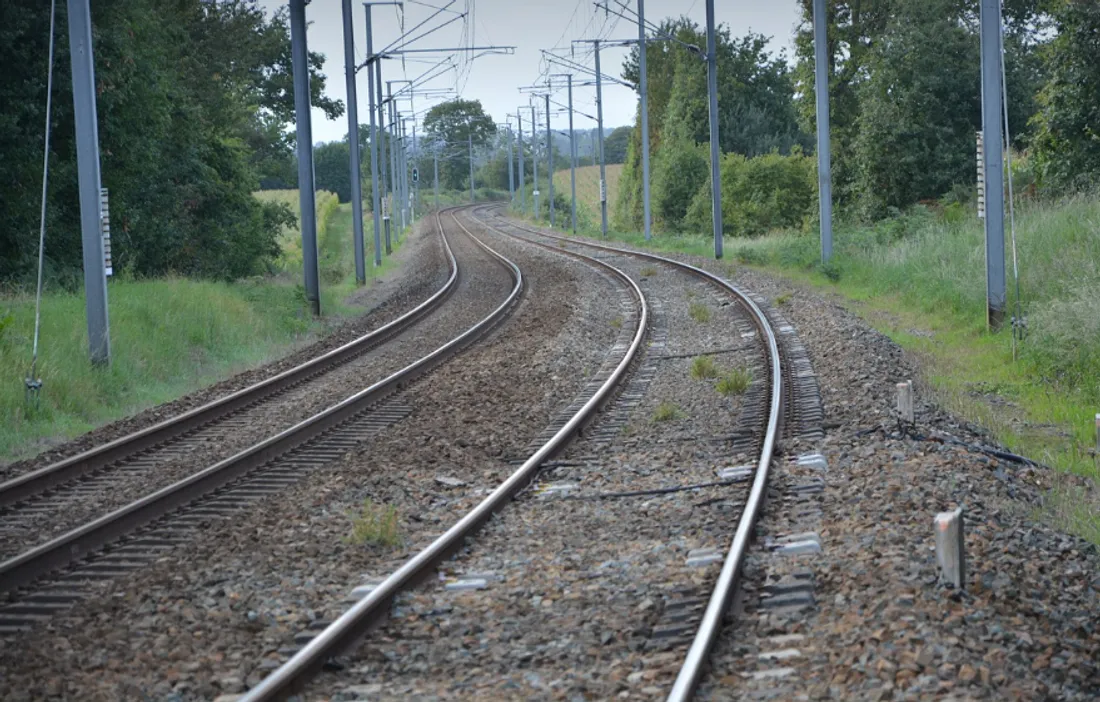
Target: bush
[(681, 170), (759, 194)]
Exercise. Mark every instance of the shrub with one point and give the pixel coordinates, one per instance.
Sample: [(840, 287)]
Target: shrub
[(759, 194)]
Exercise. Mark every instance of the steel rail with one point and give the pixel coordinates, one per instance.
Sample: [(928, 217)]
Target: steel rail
[(721, 596), (351, 626), (34, 482), (67, 548)]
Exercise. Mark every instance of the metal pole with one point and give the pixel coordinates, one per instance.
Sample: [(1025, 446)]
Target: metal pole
[(522, 192), (572, 154), (353, 140), (395, 181), (470, 137), (375, 183), (300, 61), (824, 146), (994, 174), (715, 161), (511, 170), (645, 115), (599, 120), (380, 158), (87, 162), (416, 184), (435, 159), (535, 161), (549, 160)]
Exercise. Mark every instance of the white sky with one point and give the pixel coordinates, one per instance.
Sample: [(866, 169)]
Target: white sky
[(529, 25)]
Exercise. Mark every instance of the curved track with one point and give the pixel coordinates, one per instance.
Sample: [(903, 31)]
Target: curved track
[(346, 631), (160, 520), (722, 593)]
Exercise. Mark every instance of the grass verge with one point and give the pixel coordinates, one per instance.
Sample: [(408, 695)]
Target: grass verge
[(169, 337)]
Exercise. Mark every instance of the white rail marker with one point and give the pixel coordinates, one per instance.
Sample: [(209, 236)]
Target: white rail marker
[(905, 401), (950, 548)]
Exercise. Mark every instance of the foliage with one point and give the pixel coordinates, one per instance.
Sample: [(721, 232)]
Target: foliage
[(759, 194), (1067, 145), (756, 116), (192, 97), (904, 82), (451, 125), (614, 145)]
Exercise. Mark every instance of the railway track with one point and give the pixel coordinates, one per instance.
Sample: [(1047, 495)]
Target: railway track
[(770, 414), (763, 427), (127, 538)]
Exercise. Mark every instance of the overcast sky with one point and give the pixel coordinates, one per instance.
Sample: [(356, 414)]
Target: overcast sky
[(528, 25)]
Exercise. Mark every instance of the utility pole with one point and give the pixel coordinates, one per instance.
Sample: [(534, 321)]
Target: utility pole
[(522, 192), (470, 138), (435, 165), (549, 158), (993, 141), (87, 163), (300, 62), (645, 114), (824, 146), (535, 160), (572, 154), (715, 162), (599, 115), (511, 170), (353, 140), (416, 183), (375, 154)]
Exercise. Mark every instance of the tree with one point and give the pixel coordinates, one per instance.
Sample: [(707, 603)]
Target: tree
[(860, 34), (1067, 143), (453, 123), (189, 94), (614, 145), (755, 109)]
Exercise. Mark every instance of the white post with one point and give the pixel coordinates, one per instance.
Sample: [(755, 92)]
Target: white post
[(950, 548), (905, 401)]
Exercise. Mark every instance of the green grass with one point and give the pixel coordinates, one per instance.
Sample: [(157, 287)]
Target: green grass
[(735, 382), (703, 368), (667, 411), (375, 525), (168, 337), (699, 312)]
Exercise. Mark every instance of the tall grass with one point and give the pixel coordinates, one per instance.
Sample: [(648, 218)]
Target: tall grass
[(168, 336), (935, 262)]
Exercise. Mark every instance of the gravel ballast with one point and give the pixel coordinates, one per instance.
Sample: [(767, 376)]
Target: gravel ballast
[(211, 617)]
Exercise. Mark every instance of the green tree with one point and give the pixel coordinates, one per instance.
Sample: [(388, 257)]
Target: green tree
[(615, 144), (187, 93), (1067, 143), (453, 123)]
